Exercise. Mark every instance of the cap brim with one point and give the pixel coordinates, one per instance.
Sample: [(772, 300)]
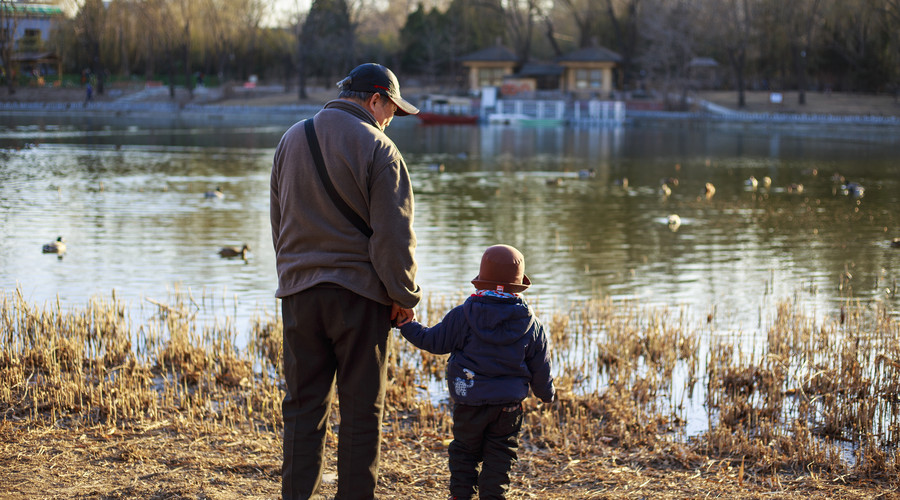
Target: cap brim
[(403, 107), (507, 287)]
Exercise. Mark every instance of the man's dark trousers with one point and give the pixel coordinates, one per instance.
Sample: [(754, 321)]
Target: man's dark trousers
[(331, 333)]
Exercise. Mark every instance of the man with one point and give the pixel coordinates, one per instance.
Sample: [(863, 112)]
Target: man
[(342, 282)]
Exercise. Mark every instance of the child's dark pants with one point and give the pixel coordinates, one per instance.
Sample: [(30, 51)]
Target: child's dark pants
[(488, 435)]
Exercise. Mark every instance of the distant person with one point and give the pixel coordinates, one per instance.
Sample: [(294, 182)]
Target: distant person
[(498, 349), (88, 92), (344, 252)]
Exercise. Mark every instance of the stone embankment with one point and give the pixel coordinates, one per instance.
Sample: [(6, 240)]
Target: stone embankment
[(273, 102)]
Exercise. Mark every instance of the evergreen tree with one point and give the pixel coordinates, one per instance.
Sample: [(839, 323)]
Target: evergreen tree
[(424, 42), (327, 41)]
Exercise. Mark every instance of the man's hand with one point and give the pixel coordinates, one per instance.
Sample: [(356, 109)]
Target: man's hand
[(401, 316)]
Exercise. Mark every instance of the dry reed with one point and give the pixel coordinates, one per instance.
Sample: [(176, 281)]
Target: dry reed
[(816, 395)]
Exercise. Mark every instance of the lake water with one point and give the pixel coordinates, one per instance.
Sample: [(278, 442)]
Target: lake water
[(128, 197)]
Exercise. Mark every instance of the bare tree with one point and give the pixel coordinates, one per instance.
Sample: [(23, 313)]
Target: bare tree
[(90, 27), (184, 13), (587, 15), (853, 23), (668, 30), (151, 15), (8, 25), (624, 17), (550, 31), (891, 17), (802, 19), (520, 16), (219, 23), (730, 24), (121, 25)]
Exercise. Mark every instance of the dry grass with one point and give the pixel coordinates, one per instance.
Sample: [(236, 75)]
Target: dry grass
[(93, 407)]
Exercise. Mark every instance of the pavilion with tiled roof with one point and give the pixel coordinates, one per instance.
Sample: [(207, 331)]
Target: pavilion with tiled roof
[(589, 70), (586, 72), (488, 67)]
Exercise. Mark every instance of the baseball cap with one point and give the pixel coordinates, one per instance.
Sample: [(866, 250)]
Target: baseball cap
[(372, 77)]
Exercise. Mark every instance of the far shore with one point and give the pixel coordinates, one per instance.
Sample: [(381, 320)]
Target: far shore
[(274, 102)]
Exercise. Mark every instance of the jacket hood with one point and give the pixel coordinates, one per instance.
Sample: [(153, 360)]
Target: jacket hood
[(498, 321)]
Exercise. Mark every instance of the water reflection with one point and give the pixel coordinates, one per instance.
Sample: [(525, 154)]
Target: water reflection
[(129, 199)]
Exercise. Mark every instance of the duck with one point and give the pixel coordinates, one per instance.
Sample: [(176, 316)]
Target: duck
[(622, 182), (895, 243), (58, 247), (665, 191), (709, 190), (795, 188), (214, 194), (674, 222), (436, 167), (767, 182), (556, 181), (671, 181), (853, 189), (752, 183), (587, 173), (231, 252)]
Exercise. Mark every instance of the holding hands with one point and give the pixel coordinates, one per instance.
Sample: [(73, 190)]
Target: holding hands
[(401, 316)]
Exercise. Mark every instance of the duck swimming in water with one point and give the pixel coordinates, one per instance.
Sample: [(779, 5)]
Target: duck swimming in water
[(674, 222), (214, 194), (853, 189), (231, 252), (58, 247)]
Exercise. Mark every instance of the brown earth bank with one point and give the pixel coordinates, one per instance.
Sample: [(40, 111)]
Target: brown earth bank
[(829, 103), (170, 460), (92, 408)]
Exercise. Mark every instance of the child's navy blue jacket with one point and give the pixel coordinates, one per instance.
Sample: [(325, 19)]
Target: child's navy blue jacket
[(498, 348)]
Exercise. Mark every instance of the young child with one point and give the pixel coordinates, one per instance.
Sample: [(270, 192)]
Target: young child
[(498, 348)]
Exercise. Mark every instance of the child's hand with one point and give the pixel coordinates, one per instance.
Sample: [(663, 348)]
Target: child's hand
[(401, 316), (406, 316)]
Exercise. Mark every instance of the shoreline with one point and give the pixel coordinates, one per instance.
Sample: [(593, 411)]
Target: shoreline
[(221, 115), (272, 102)]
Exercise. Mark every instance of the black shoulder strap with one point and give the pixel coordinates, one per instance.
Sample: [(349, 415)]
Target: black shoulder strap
[(339, 202)]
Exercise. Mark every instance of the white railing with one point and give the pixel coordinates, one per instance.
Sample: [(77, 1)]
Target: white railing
[(557, 110), (537, 110), (734, 116), (599, 112)]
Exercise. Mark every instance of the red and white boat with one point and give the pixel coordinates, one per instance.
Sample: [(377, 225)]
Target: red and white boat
[(430, 118)]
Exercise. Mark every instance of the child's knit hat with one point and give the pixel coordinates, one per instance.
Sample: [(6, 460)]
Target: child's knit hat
[(502, 270)]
